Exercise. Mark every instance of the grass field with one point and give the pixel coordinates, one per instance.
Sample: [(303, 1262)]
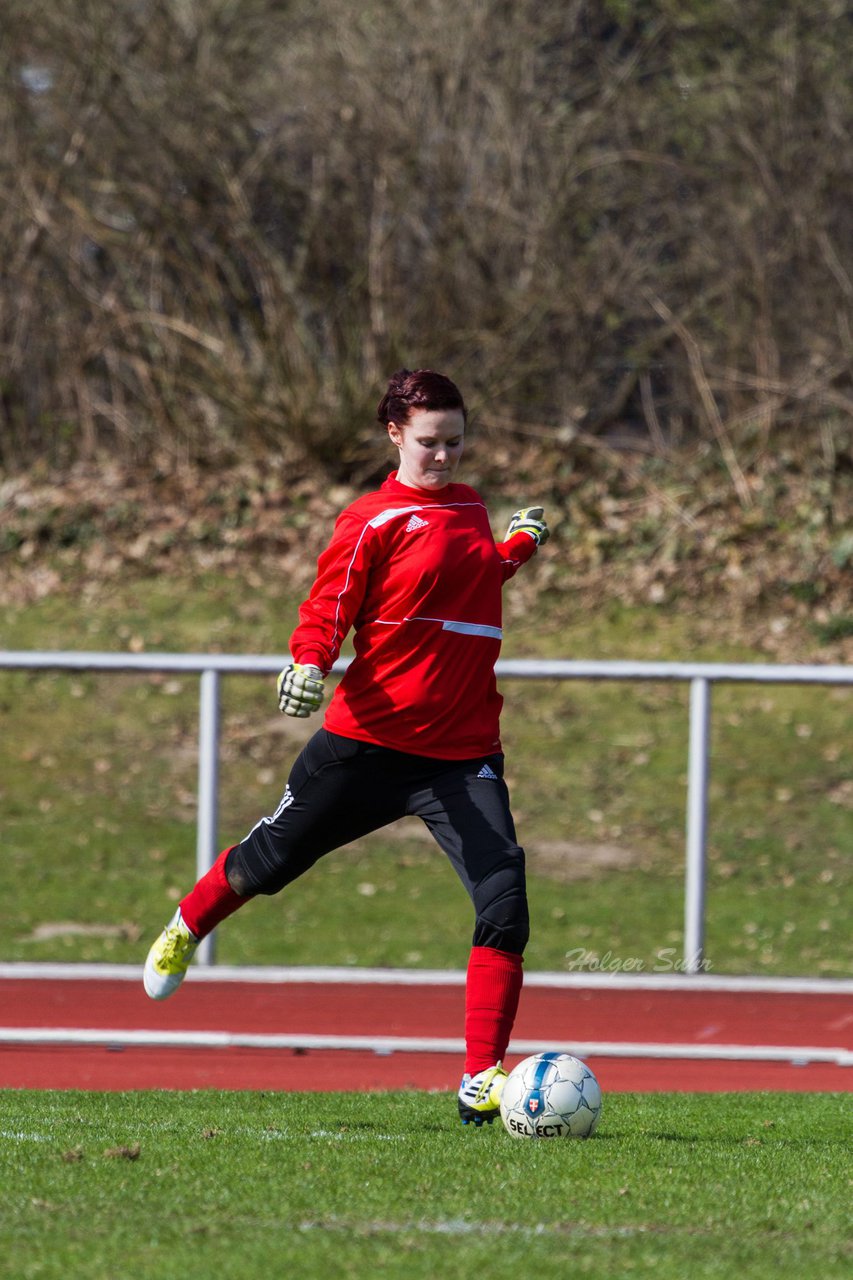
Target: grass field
[(238, 1185), (98, 778)]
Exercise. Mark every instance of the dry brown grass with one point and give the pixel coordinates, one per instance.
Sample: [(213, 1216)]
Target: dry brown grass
[(225, 223)]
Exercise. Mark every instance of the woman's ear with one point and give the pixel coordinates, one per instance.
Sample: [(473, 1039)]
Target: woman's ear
[(395, 434)]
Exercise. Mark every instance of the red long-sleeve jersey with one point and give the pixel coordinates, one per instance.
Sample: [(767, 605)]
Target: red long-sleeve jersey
[(418, 576)]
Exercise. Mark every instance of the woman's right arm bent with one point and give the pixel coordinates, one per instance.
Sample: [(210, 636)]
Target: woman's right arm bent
[(333, 603)]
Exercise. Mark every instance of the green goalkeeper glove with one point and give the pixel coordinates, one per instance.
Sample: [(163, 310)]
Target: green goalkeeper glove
[(300, 689), (530, 520)]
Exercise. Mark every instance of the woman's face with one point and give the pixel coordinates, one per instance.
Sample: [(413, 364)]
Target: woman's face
[(430, 446)]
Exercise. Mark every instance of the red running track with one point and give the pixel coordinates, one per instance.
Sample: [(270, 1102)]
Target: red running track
[(548, 1016)]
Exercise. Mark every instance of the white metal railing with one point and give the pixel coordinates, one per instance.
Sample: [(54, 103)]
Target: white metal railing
[(700, 676)]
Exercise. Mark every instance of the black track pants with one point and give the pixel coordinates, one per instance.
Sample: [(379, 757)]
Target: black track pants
[(340, 789)]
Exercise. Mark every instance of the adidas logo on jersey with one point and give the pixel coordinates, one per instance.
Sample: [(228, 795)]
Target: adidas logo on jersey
[(488, 772), (415, 523)]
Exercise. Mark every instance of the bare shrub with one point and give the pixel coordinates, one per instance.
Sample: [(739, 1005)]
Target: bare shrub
[(227, 221)]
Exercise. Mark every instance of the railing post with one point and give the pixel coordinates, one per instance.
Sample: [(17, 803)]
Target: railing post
[(208, 790), (697, 824)]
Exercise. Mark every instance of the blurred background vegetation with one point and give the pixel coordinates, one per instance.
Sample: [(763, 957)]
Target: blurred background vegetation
[(626, 230), (226, 221)]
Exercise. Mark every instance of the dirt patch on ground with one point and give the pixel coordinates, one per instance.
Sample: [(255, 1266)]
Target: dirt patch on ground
[(566, 860), (560, 860), (70, 929)]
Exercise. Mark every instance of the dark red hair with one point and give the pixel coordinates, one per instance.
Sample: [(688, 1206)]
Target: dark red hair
[(418, 389)]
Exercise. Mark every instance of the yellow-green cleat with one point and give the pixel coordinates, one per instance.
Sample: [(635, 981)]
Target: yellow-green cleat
[(169, 959), (480, 1096)]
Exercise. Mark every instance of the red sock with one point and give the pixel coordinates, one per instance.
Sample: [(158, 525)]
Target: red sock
[(491, 999), (211, 901)]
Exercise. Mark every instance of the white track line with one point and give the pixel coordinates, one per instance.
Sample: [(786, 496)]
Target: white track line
[(47, 971), (383, 1045)]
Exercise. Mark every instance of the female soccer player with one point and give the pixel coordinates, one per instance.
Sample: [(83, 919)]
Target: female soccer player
[(413, 726)]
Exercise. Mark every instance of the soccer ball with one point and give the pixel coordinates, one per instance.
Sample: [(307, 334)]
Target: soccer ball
[(551, 1095)]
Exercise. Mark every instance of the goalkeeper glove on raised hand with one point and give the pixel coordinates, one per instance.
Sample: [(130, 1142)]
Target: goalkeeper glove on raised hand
[(300, 689), (529, 520)]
